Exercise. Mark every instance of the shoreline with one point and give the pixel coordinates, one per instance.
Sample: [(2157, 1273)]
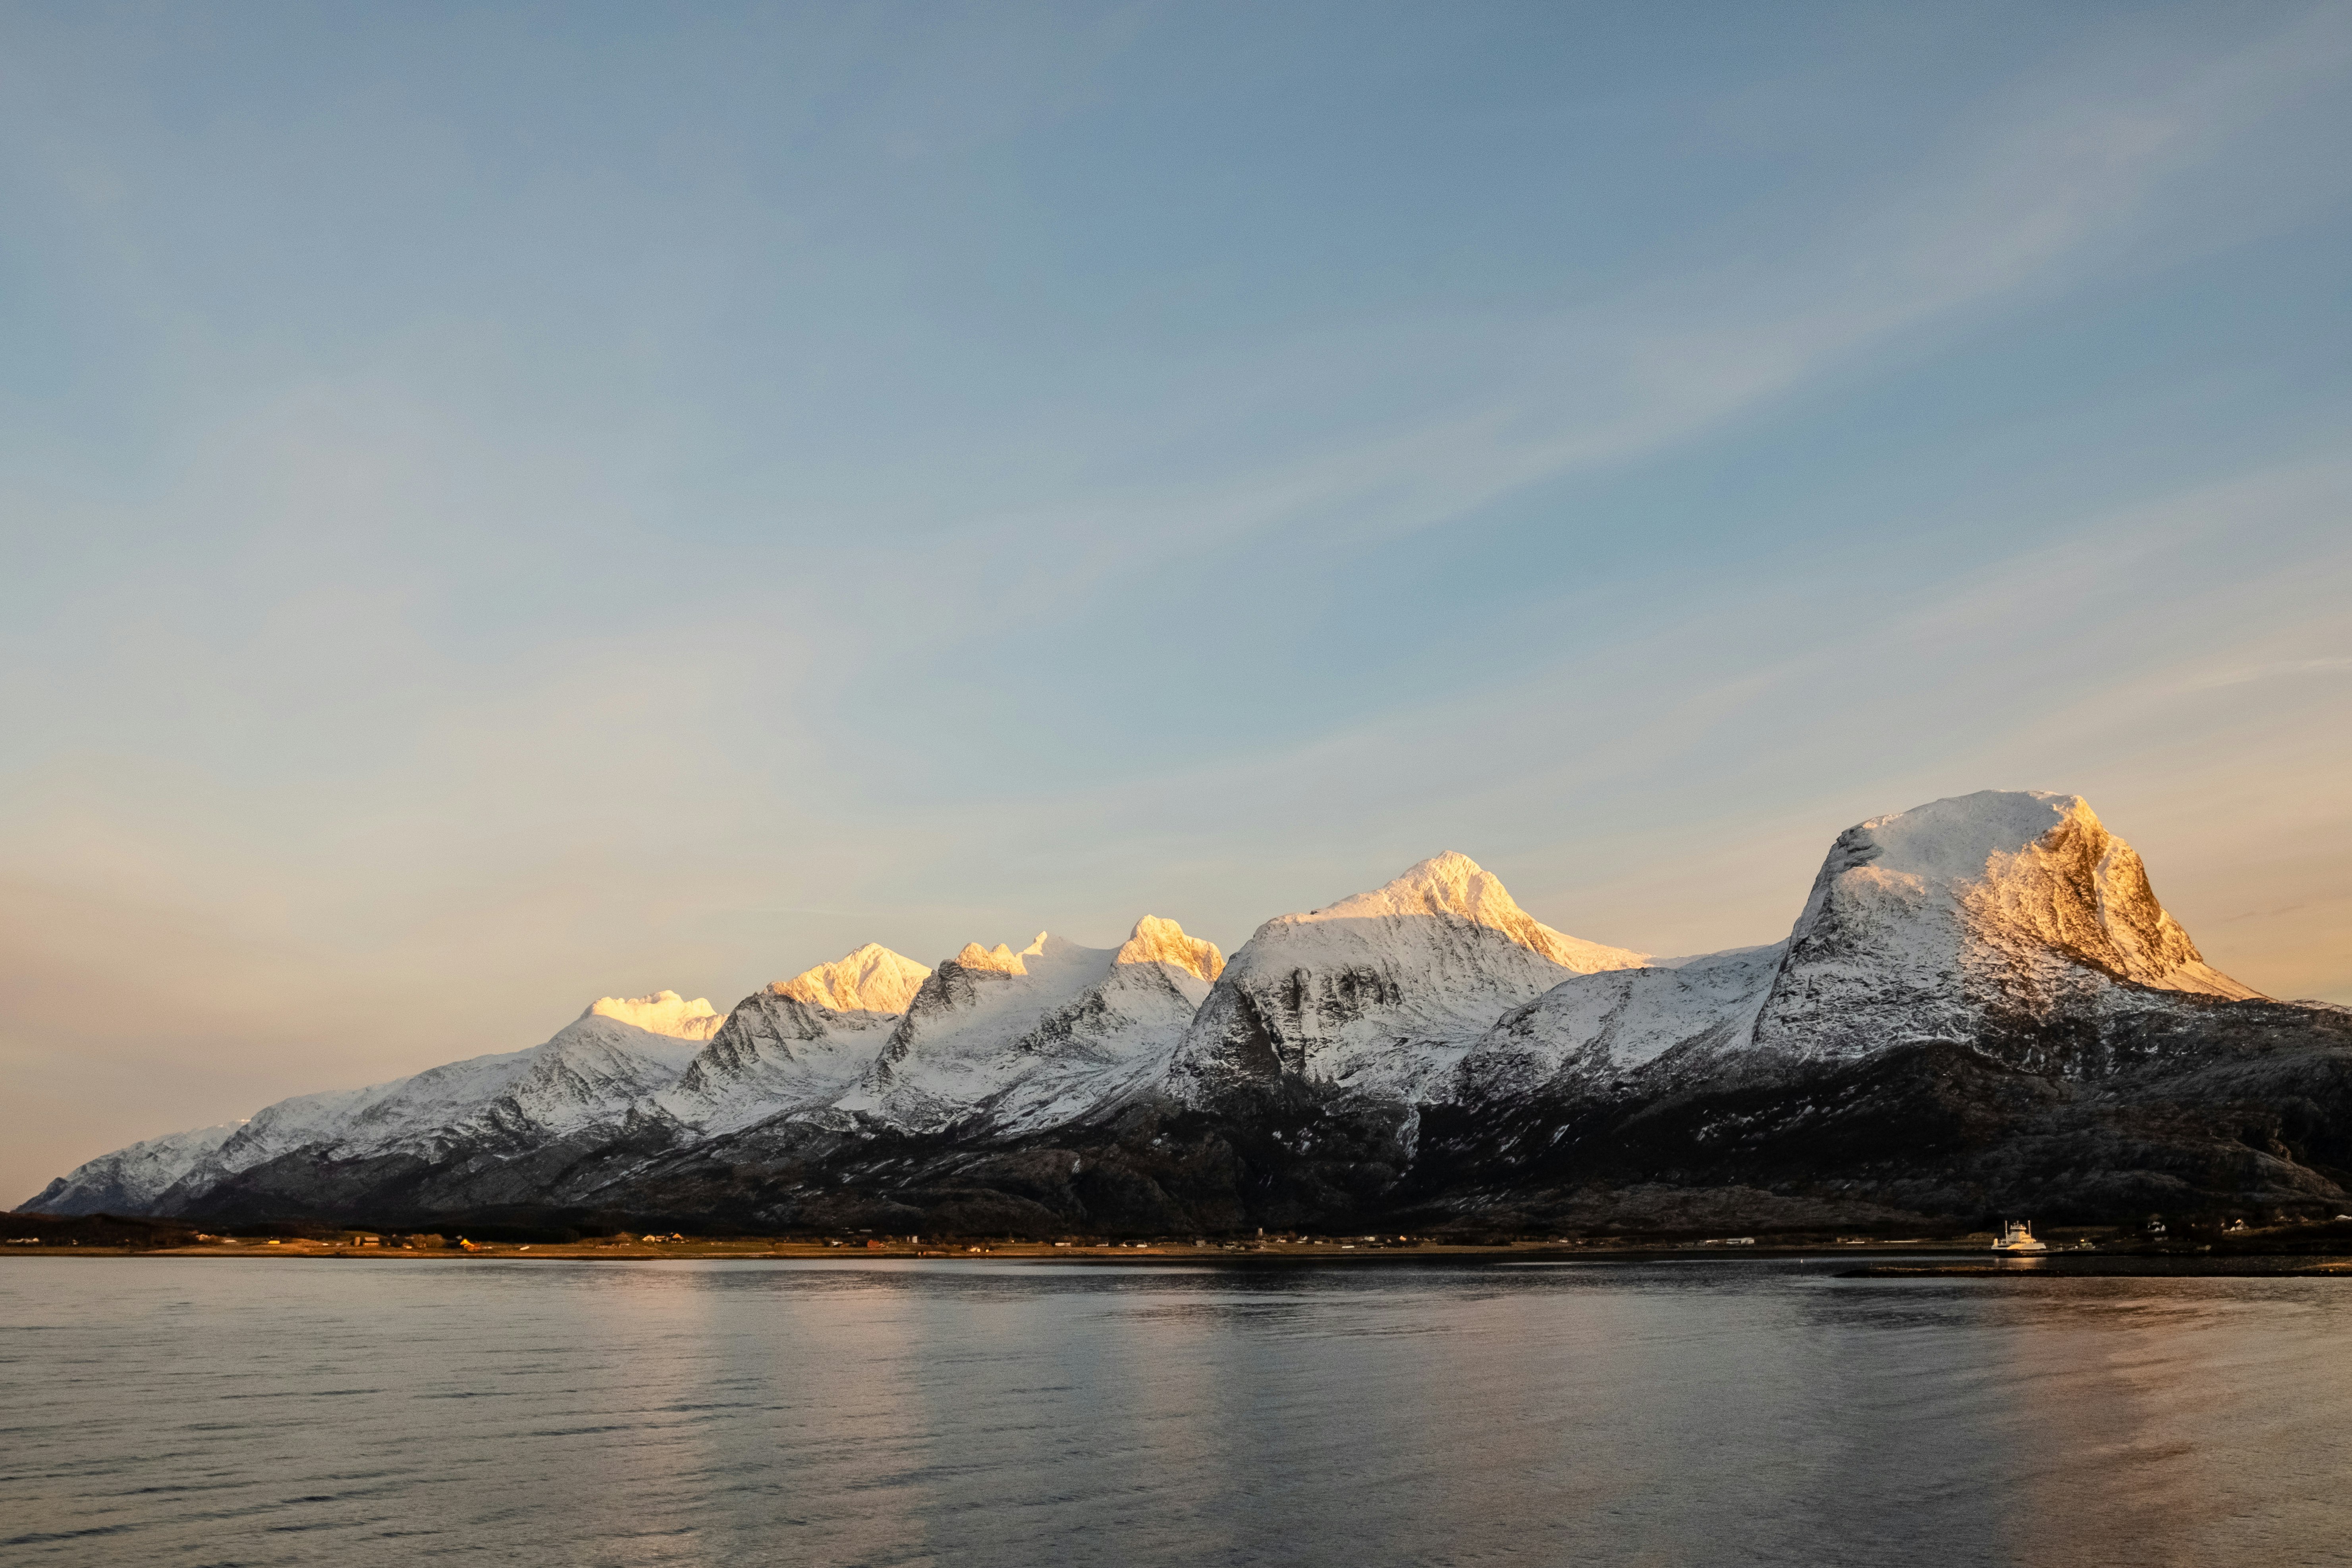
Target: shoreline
[(1912, 1261)]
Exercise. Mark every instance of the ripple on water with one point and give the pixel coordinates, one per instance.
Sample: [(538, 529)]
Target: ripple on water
[(178, 1411)]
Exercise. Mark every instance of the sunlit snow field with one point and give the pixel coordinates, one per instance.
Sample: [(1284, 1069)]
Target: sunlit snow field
[(232, 1411)]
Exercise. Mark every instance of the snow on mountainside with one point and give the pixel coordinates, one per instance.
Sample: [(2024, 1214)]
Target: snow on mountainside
[(323, 1120), (131, 1180), (591, 1069), (1382, 991), (1587, 1032), (1022, 1040), (798, 1045), (1981, 917)]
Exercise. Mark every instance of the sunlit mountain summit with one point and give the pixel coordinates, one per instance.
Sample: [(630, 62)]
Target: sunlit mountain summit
[(1981, 1003)]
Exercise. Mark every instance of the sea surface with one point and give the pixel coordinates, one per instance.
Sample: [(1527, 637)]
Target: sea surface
[(170, 1411)]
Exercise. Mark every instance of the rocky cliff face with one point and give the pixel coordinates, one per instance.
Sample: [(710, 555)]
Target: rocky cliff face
[(1980, 1003)]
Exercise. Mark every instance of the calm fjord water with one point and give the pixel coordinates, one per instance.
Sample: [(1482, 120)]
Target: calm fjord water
[(226, 1411)]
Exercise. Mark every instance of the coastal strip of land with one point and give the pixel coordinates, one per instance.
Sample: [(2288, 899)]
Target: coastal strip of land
[(2321, 1250)]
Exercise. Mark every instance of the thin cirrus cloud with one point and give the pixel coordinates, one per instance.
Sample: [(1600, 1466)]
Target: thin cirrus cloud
[(2051, 180), (2276, 670)]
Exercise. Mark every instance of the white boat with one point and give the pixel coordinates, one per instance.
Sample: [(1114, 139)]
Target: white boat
[(2017, 1237)]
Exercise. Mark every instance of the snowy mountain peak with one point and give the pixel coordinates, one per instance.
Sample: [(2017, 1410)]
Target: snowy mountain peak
[(1382, 992), (1453, 884), (663, 1013), (872, 979), (2028, 873), (1156, 941), (1000, 958), (2003, 918), (1984, 916)]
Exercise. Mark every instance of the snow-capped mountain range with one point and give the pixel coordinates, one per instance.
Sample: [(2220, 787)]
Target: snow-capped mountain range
[(1421, 1046)]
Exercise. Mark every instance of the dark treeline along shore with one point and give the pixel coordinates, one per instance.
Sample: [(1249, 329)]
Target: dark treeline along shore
[(1982, 1010)]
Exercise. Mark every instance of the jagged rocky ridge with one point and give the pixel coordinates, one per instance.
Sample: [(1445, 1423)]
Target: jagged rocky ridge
[(1981, 1005)]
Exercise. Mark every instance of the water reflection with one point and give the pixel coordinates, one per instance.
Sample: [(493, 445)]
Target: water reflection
[(899, 1413)]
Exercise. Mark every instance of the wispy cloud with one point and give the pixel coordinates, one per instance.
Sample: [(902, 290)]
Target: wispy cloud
[(2052, 176), (2276, 670)]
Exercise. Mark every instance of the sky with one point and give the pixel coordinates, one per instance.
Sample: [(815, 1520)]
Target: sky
[(505, 505)]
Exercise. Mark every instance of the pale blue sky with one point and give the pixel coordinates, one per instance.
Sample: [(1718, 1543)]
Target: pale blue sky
[(509, 504)]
